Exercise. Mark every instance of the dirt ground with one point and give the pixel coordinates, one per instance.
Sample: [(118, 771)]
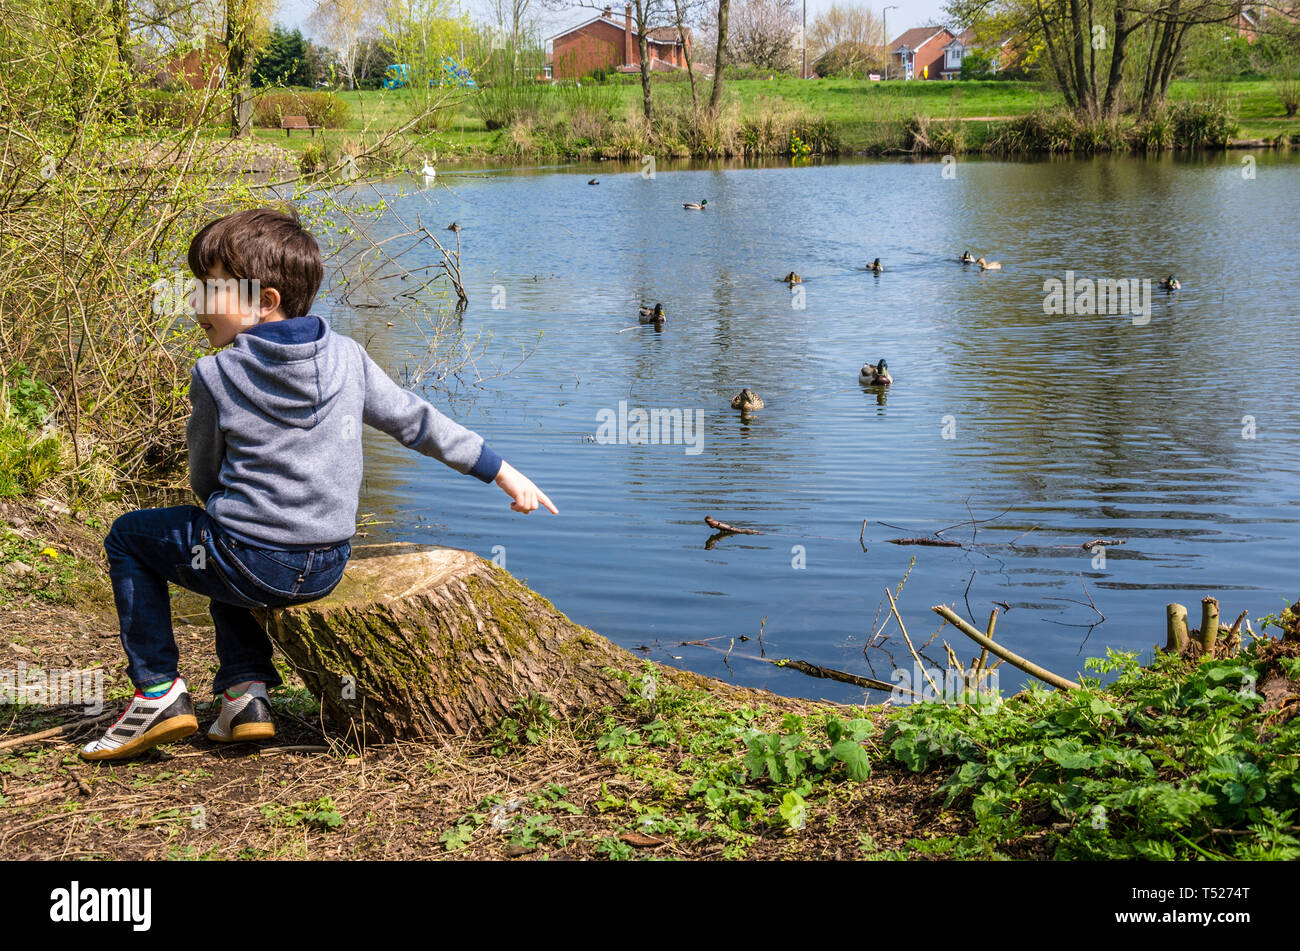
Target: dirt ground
[(308, 793)]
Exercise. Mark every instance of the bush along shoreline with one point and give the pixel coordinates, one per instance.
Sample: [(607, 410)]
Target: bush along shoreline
[(1184, 126)]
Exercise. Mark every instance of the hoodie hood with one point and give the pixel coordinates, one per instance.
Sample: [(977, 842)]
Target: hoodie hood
[(294, 384)]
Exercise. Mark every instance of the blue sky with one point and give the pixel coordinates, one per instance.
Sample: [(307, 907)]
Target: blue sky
[(909, 13)]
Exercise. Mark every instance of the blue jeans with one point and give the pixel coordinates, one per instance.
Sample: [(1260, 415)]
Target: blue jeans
[(149, 547)]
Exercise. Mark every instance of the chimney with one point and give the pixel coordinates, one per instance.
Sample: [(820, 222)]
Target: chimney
[(608, 13), (627, 35)]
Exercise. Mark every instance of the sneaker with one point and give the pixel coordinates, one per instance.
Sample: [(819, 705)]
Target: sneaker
[(247, 717), (147, 722)]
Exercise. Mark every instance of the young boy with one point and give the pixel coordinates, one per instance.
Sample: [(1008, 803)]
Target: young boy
[(275, 456)]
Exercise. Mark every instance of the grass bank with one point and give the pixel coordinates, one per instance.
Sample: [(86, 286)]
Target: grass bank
[(841, 116)]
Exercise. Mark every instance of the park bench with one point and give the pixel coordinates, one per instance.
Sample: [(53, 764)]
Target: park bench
[(289, 123)]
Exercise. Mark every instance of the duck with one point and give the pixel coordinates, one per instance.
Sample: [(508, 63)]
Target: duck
[(746, 400), (1170, 283), (989, 265), (593, 181), (875, 374), (792, 278), (695, 206), (876, 266), (966, 258), (453, 227), (655, 315)]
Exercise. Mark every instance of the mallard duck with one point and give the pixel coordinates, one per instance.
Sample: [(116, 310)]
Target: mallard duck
[(453, 227), (746, 400), (875, 374), (593, 182), (655, 315), (1170, 283), (792, 278), (876, 266), (695, 206), (966, 258), (989, 265)]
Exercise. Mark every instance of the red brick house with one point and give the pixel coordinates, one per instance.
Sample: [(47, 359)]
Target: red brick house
[(604, 43), (196, 69), (918, 53)]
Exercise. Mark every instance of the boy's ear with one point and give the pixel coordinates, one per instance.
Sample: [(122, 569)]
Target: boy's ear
[(269, 300)]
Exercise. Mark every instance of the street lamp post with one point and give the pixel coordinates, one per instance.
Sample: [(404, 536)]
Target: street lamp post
[(885, 26)]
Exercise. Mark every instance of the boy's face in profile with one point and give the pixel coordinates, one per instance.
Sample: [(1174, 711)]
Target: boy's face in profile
[(224, 305)]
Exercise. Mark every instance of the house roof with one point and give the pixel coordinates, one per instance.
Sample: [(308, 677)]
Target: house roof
[(660, 34), (587, 22), (917, 37), (967, 40), (666, 34)]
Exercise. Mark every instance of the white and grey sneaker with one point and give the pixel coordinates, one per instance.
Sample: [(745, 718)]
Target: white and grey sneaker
[(147, 722), (247, 717)]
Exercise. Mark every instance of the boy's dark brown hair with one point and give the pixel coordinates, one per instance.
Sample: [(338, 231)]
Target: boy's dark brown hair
[(265, 245)]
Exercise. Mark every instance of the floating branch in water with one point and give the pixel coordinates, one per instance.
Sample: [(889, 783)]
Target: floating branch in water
[(807, 667), (714, 524), (937, 542)]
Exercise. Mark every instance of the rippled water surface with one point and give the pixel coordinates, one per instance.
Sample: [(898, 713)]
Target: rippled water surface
[(1056, 428)]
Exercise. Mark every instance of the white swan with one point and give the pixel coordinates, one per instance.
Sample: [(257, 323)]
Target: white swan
[(428, 171)]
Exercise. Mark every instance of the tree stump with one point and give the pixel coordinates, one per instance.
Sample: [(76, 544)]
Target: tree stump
[(418, 641)]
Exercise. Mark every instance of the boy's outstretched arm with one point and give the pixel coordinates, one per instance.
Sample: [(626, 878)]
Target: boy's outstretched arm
[(417, 424)]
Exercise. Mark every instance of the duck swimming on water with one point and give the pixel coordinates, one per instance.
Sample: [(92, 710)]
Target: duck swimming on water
[(875, 374), (647, 315)]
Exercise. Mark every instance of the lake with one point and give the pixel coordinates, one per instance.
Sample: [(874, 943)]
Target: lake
[(1174, 430)]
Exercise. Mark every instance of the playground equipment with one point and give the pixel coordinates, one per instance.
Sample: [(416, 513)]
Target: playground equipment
[(452, 73)]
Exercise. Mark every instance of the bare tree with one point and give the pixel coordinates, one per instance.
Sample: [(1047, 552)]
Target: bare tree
[(1087, 43), (344, 25), (763, 31), (854, 32), (685, 12), (719, 56)]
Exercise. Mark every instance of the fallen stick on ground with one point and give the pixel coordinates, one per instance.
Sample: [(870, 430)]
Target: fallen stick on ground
[(54, 731), (1015, 660)]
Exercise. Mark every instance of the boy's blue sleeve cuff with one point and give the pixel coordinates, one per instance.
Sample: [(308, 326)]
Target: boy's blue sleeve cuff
[(488, 465)]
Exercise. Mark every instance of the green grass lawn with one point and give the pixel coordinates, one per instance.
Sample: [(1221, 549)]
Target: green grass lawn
[(856, 108)]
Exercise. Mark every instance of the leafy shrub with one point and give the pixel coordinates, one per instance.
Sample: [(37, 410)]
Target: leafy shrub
[(321, 108), (29, 455), (1154, 133), (506, 105), (1042, 130), (1288, 90), (1201, 124), (174, 109), (976, 64)]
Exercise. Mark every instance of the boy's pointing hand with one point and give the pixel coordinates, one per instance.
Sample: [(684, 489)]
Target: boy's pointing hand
[(520, 488)]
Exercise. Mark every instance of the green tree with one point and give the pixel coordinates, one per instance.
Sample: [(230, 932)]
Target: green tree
[(282, 61)]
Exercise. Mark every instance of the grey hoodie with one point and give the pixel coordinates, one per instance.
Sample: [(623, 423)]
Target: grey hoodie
[(275, 433)]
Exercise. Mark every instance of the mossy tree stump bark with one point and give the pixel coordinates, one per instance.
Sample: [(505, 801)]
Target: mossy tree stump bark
[(418, 641)]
